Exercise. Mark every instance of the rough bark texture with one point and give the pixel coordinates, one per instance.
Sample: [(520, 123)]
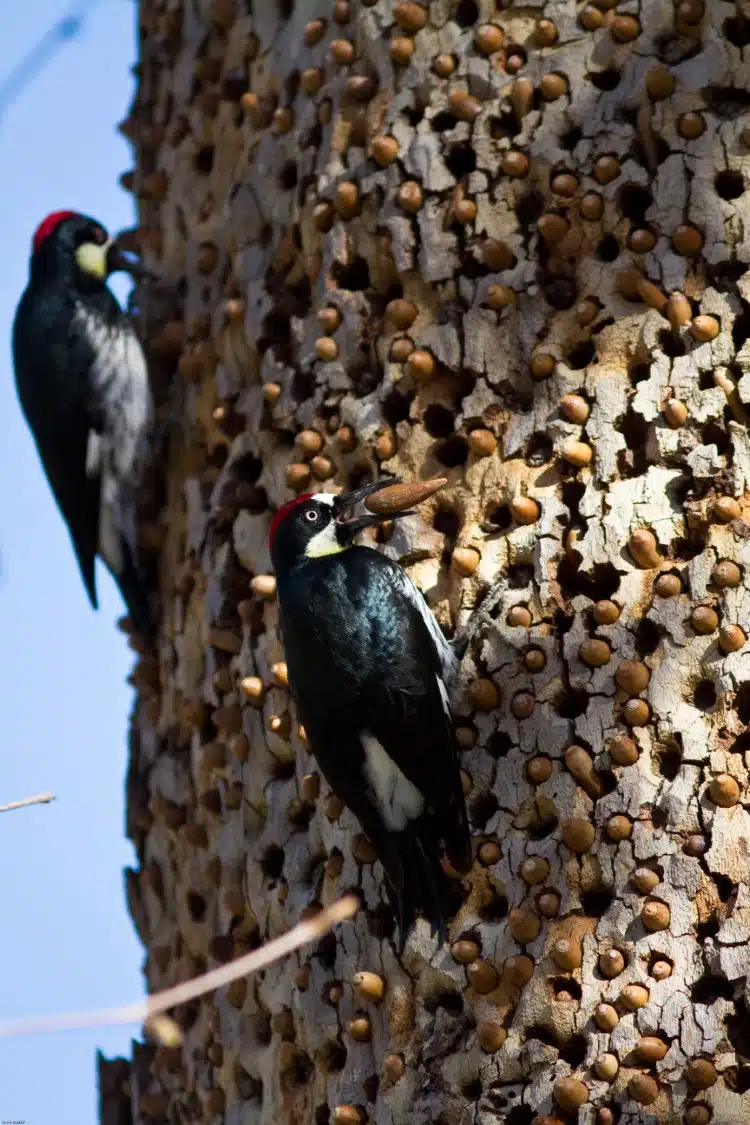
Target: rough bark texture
[(397, 239)]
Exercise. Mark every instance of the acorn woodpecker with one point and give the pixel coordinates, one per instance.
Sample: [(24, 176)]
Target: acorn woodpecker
[(83, 386), (370, 672)]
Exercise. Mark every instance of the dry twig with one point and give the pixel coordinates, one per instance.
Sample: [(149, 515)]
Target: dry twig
[(39, 799)]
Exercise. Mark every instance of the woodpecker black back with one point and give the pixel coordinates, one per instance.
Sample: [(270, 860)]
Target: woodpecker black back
[(83, 386), (370, 674)]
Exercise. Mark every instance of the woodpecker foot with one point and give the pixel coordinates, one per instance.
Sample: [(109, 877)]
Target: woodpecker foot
[(482, 615)]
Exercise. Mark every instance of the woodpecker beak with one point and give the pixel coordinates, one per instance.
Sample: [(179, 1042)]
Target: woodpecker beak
[(349, 525), (118, 261)]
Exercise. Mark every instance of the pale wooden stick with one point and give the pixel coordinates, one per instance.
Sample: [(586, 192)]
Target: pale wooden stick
[(39, 799), (160, 1002)]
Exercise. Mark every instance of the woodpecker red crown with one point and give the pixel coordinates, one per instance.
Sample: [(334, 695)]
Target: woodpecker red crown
[(49, 225), (284, 511)]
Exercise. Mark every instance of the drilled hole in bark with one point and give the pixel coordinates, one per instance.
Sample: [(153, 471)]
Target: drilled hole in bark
[(727, 101), (288, 176), (714, 434), (196, 905), (438, 421), (604, 79), (467, 13), (539, 451), (634, 201), (561, 293), (495, 909), (521, 575), (741, 326), (596, 903), (672, 345), (647, 637), (453, 452), (355, 276), (333, 1056), (738, 1079), (724, 886), (708, 928), (396, 407), (737, 31), (204, 160), (598, 585), (461, 160), (381, 922), (282, 770), (472, 1089), (742, 703), (668, 763), (566, 984), (709, 988), (738, 1028), (322, 1114), (248, 1087), (608, 248), (443, 122), (574, 1051), (543, 1035), (581, 355), (529, 207), (272, 863), (505, 125), (499, 744), (545, 825), (729, 183), (569, 140), (632, 461), (741, 744), (572, 704), (483, 809), (672, 49), (519, 1115), (448, 999), (499, 517), (704, 696)]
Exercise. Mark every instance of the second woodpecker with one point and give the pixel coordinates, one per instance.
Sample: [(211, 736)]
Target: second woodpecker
[(83, 385), (370, 672)]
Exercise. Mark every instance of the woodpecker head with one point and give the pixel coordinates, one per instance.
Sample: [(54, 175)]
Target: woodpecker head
[(317, 526), (66, 242)]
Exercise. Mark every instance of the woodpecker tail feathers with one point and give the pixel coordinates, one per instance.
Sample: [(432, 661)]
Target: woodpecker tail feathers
[(135, 594), (423, 886)]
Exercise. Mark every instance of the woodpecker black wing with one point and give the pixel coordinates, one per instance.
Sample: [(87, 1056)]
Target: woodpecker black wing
[(368, 676), (61, 417)]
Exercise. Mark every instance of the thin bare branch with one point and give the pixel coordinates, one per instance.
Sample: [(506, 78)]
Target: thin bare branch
[(160, 1002), (39, 799)]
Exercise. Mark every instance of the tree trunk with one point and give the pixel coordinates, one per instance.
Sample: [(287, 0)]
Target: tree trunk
[(505, 244)]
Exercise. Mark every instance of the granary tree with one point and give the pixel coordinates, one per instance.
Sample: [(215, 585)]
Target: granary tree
[(504, 243)]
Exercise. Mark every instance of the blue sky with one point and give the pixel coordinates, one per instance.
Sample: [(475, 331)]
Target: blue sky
[(66, 940)]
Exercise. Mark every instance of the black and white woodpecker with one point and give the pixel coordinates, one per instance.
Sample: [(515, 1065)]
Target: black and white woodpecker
[(371, 672), (83, 386)]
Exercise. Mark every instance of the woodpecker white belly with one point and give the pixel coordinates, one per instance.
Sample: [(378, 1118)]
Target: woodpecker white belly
[(370, 672), (83, 385)]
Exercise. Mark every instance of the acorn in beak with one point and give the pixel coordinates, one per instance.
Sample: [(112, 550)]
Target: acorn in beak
[(387, 499)]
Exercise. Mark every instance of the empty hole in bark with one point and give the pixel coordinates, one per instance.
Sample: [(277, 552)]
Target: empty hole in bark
[(704, 696), (738, 1028), (499, 517), (572, 703), (326, 950), (714, 434), (668, 763), (461, 160), (569, 140), (574, 1051), (659, 816), (483, 809), (742, 703), (443, 122), (364, 379), (299, 1069), (380, 921), (738, 1079), (282, 770), (494, 909), (647, 637), (371, 1086), (472, 1089), (539, 451), (604, 79), (634, 429), (204, 160), (566, 984), (737, 31), (672, 345), (288, 176), (529, 207), (634, 201), (608, 248), (596, 903), (447, 998), (545, 823), (453, 452), (709, 927), (672, 49), (396, 407), (447, 522), (322, 1114), (741, 326), (729, 183), (727, 101), (561, 293), (741, 744), (467, 13), (521, 575), (505, 125), (196, 905), (272, 863), (250, 1088), (544, 1035), (499, 744), (438, 420), (709, 988), (581, 355), (599, 585), (355, 276), (333, 1056), (519, 1115)]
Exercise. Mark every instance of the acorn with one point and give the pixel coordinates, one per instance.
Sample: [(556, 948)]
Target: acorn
[(578, 833), (534, 870), (369, 986), (701, 1074), (726, 575), (727, 509), (606, 1017), (524, 510), (570, 1094), (724, 790), (643, 1089), (483, 976), (548, 904), (491, 1035), (519, 617), (636, 712), (577, 452), (465, 951), (668, 586), (651, 1049), (524, 926), (606, 1067), (567, 954), (646, 880), (675, 413), (704, 620), (731, 638), (575, 409), (655, 916), (410, 16), (619, 828), (594, 652), (634, 996), (539, 769), (643, 548), (483, 695), (611, 963), (482, 443), (632, 676), (400, 497), (518, 970), (465, 561)]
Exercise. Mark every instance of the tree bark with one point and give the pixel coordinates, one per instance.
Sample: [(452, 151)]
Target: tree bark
[(505, 244)]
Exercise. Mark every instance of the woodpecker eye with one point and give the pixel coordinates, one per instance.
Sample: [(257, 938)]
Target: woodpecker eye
[(99, 236), (312, 515)]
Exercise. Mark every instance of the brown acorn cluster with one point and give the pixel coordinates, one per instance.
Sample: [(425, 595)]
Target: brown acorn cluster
[(500, 246)]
